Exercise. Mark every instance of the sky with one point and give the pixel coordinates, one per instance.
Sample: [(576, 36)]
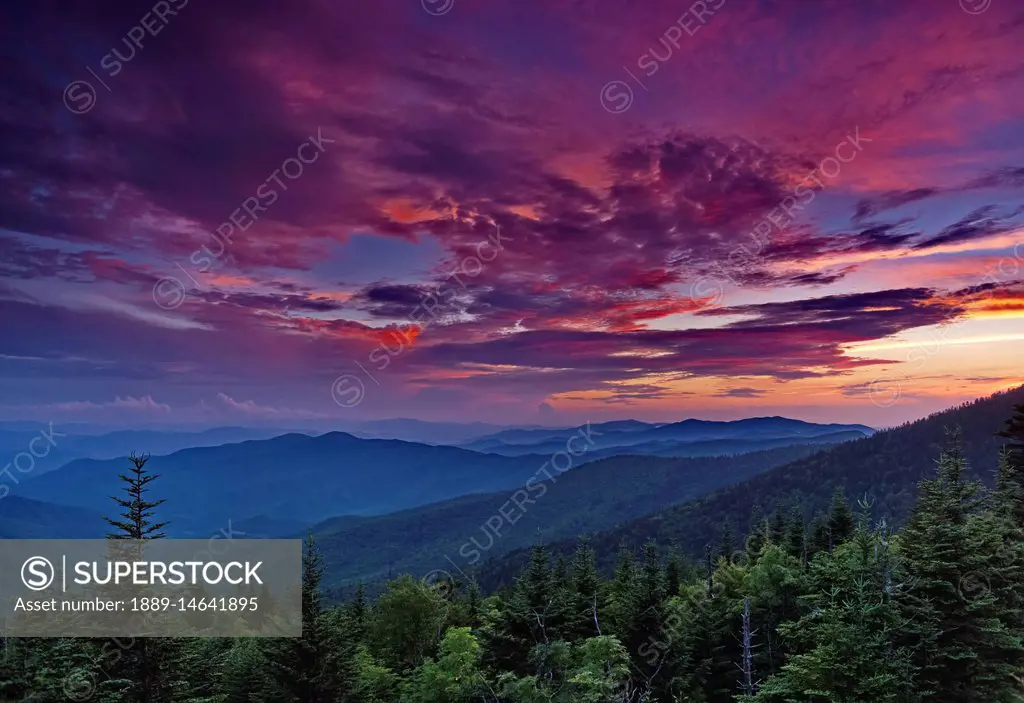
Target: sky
[(531, 211)]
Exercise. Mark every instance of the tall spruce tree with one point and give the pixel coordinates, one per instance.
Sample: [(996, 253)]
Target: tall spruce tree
[(796, 534), (840, 520), (295, 666), (533, 600), (1014, 431), (646, 616), (675, 571), (1010, 477), (137, 511), (726, 548), (957, 630), (1000, 530), (585, 583), (150, 670), (358, 610), (522, 621), (777, 530), (623, 591), (818, 535)]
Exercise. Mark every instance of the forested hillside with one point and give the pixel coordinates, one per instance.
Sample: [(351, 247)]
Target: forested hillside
[(886, 467), (595, 496)]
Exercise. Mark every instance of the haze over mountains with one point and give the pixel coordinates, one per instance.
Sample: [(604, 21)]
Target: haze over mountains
[(22, 518), (687, 438), (282, 483), (73, 443), (291, 477), (384, 506)]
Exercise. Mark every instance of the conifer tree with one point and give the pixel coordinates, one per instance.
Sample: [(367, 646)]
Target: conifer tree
[(1008, 497), (14, 667), (817, 536), (709, 570), (585, 582), (840, 520), (650, 580), (243, 675), (1000, 532), (701, 649), (205, 659), (623, 591), (777, 531), (956, 628), (757, 533), (561, 614), (675, 570), (845, 644), (357, 611), (773, 583), (341, 645), (296, 665), (726, 548), (1014, 431), (796, 534), (149, 671), (533, 600), (138, 512), (646, 618), (474, 604), (517, 625)]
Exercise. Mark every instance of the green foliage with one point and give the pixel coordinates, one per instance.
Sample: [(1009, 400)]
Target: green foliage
[(957, 627), (243, 674), (407, 622), (593, 671), (840, 520), (845, 644), (374, 683), (839, 611), (455, 677)]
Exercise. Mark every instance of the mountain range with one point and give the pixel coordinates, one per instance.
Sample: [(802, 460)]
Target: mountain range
[(883, 469), (386, 506), (71, 443), (293, 477), (672, 439), (298, 479)]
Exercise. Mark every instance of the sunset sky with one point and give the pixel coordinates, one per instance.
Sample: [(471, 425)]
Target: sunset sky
[(812, 209)]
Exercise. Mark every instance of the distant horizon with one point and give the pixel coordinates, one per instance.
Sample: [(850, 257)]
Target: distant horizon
[(194, 428), (348, 426)]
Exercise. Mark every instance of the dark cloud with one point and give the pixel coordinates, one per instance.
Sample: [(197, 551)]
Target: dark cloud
[(1011, 176), (390, 301), (982, 222), (741, 393), (888, 201)]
